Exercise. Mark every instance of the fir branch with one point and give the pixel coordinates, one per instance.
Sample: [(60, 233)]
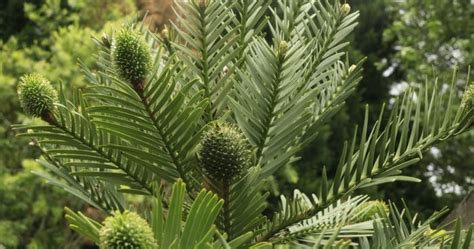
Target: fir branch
[(383, 153)]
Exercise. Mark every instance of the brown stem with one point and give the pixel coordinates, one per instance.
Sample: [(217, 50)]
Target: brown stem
[(226, 197), (49, 118)]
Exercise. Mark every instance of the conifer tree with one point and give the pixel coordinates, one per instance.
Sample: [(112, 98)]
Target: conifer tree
[(214, 109)]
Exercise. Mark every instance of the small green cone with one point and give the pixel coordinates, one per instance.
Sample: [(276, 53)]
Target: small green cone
[(36, 95), (225, 153), (131, 56), (126, 230)]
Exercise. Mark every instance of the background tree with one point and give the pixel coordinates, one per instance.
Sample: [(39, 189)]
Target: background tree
[(433, 37), (45, 36), (151, 109)]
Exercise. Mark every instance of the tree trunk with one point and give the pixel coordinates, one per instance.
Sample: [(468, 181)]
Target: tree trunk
[(464, 210), (160, 12)]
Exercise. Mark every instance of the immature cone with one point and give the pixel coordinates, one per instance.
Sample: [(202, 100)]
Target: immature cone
[(131, 56), (36, 95), (225, 152), (369, 210), (346, 8), (126, 230)]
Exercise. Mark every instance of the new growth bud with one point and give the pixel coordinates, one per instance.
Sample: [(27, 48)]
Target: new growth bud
[(203, 3), (282, 49), (126, 230), (352, 68), (165, 34), (225, 153), (345, 9), (36, 95), (106, 40), (131, 56)]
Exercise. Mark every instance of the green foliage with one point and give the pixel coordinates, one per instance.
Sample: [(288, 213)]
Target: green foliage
[(28, 20), (365, 43), (432, 37), (40, 36), (115, 137), (27, 216), (371, 210), (198, 228), (401, 229), (95, 14)]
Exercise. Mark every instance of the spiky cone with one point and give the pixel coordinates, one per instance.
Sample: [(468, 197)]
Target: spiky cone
[(131, 57), (126, 230), (37, 96), (370, 210), (225, 153)]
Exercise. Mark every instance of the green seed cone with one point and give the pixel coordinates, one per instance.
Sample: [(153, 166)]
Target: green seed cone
[(131, 56), (225, 153), (126, 230), (36, 95), (369, 210)]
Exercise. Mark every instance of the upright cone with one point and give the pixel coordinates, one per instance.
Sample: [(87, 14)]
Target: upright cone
[(131, 56), (126, 230), (225, 153), (36, 95)]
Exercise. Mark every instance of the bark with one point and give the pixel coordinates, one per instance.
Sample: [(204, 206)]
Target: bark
[(464, 210), (160, 12)]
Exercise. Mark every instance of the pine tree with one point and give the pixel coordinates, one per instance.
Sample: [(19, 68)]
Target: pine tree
[(214, 109)]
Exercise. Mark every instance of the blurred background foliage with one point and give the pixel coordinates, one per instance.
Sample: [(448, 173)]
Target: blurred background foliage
[(45, 36), (433, 37), (403, 41)]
